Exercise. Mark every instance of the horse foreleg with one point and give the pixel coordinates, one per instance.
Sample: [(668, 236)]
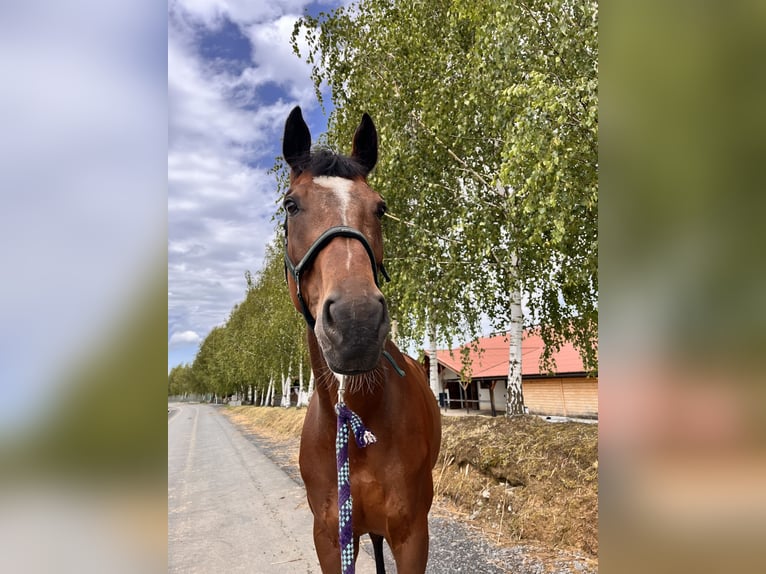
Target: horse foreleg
[(411, 555), (326, 544)]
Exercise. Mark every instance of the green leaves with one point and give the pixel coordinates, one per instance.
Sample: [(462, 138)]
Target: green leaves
[(488, 118)]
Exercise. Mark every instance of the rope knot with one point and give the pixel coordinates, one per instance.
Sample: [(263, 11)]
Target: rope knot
[(362, 435)]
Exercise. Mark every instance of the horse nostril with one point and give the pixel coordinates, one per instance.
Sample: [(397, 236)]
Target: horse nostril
[(327, 312), (381, 307)]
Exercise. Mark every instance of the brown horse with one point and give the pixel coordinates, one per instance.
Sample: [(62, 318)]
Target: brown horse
[(333, 232)]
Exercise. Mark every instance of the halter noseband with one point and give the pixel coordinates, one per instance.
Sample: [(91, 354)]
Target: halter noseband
[(320, 243)]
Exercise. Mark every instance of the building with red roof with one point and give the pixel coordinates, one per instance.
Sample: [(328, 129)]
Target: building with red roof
[(569, 391)]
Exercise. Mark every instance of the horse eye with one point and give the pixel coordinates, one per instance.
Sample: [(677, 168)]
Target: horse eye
[(381, 210), (290, 206)]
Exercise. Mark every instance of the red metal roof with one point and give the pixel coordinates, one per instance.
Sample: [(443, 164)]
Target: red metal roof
[(493, 361)]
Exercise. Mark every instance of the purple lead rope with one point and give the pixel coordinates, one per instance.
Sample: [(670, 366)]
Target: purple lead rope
[(363, 438)]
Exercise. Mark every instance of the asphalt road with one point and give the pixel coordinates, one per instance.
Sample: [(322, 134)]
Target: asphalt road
[(230, 509)]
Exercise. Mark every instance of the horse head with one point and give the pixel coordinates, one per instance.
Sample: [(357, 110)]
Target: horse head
[(334, 245)]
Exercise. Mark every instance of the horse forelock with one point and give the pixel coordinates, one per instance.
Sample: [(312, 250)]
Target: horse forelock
[(325, 162)]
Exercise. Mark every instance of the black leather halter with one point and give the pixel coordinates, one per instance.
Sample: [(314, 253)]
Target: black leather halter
[(320, 243)]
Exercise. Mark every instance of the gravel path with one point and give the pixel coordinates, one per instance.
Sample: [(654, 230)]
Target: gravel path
[(455, 547)]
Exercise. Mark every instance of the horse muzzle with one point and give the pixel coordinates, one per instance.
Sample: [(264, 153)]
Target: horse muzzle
[(352, 331)]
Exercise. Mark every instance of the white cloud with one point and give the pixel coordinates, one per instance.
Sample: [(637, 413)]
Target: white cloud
[(199, 114), (184, 337), (210, 12), (276, 62)]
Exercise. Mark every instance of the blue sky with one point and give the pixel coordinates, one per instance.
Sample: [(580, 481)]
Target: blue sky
[(232, 80)]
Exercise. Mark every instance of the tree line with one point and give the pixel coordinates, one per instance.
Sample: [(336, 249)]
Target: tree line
[(259, 352)]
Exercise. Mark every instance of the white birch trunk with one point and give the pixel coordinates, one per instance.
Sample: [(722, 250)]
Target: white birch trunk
[(300, 385), (286, 387), (515, 392), (270, 392), (434, 365), (311, 388)]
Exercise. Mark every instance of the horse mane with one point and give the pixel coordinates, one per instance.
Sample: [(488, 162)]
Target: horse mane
[(325, 162)]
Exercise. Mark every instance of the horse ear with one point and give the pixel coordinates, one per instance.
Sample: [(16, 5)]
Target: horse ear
[(365, 147), (296, 143)]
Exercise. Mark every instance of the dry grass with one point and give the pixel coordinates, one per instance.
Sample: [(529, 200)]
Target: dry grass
[(523, 479), (519, 480), (272, 423)]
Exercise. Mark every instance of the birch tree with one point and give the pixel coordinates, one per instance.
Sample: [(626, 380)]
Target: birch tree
[(487, 115)]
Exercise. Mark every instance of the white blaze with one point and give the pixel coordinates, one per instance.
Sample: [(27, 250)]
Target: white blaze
[(341, 189)]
